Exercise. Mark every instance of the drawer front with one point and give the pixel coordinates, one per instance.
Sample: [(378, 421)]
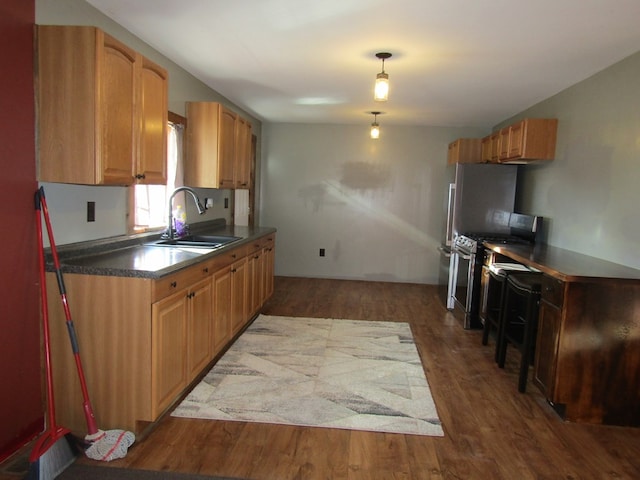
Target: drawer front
[(227, 258), (552, 291), (173, 283)]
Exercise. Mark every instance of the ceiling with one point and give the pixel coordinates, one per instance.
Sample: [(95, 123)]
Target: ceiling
[(454, 63)]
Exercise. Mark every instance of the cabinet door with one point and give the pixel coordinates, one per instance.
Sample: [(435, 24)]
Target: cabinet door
[(221, 321), (516, 140), (242, 169), (486, 149), (255, 283), (200, 311), (151, 167), (453, 152), (268, 270), (227, 148), (490, 148), (495, 147), (465, 150), (547, 348), (116, 113), (503, 144), (239, 306), (168, 353)]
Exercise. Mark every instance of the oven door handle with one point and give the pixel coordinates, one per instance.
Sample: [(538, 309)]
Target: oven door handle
[(464, 256)]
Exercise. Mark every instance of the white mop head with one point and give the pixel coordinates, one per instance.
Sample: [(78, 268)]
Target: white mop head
[(109, 445)]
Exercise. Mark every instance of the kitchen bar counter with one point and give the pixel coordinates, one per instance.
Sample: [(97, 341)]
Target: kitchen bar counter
[(587, 360), (566, 265), (134, 256)]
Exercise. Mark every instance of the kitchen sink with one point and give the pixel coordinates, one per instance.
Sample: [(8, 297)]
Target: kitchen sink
[(206, 241)]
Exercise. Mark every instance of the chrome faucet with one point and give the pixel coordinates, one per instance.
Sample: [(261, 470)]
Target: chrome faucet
[(170, 232)]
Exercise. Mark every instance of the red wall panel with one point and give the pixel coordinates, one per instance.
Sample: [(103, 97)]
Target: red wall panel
[(21, 406)]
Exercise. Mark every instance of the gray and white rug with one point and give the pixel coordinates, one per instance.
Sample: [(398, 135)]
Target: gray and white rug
[(350, 374)]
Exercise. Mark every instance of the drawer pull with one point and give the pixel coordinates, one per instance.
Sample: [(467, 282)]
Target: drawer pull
[(205, 270), (174, 284)]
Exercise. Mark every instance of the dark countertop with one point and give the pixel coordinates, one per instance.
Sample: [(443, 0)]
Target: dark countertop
[(133, 256), (566, 265)]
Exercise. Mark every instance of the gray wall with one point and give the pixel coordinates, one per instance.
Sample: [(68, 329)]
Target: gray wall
[(591, 191), (67, 203), (375, 206)]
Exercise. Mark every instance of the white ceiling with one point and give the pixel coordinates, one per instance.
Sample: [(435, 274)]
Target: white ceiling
[(454, 63)]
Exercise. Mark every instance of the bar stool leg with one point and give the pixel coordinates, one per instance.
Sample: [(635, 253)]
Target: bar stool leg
[(528, 342)]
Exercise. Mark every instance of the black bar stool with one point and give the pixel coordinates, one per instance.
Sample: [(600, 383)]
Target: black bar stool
[(520, 320), (495, 298)]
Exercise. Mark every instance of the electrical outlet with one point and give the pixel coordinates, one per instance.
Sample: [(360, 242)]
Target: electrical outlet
[(226, 203), (322, 252), (91, 211)]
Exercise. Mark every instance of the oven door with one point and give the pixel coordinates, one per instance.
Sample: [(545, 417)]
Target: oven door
[(463, 275)]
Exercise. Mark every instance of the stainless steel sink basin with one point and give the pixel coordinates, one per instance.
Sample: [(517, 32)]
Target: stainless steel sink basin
[(206, 241)]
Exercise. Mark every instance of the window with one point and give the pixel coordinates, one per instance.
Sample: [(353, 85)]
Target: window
[(149, 211)]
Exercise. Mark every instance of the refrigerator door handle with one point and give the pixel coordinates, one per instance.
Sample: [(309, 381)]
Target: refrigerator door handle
[(452, 195)]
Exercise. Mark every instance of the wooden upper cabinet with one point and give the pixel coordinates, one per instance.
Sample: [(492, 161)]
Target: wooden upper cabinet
[(99, 109), (218, 148), (209, 133), (243, 153), (227, 146), (528, 140), (465, 150), (490, 146), (152, 156)]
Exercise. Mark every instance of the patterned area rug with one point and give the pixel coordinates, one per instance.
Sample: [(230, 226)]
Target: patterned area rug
[(349, 374)]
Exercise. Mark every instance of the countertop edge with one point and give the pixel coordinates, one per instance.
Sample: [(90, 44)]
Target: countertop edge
[(549, 260), (88, 249)]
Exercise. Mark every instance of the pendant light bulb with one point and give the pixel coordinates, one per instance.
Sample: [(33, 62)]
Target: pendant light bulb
[(381, 88), (375, 131), (375, 128)]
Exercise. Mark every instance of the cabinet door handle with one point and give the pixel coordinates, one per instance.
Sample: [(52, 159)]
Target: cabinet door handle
[(233, 270), (140, 176)]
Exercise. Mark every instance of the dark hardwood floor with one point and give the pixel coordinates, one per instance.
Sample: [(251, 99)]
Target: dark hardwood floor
[(491, 430)]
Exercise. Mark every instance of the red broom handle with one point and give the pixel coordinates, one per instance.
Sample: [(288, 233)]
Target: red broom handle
[(88, 410), (45, 324)]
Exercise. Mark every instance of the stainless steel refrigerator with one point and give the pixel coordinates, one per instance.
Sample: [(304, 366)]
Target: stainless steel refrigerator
[(479, 199)]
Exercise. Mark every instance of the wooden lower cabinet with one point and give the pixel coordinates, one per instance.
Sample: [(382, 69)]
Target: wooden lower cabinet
[(221, 331), (168, 355), (587, 355), (544, 374), (183, 319), (143, 341), (239, 307), (268, 262), (199, 326)]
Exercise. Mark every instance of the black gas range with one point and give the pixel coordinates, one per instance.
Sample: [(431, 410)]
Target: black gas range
[(468, 257)]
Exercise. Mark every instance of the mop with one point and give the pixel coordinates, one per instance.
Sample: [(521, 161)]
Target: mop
[(100, 445), (55, 450)]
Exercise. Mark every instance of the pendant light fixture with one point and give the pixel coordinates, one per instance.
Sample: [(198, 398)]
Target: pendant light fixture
[(375, 128), (381, 89)]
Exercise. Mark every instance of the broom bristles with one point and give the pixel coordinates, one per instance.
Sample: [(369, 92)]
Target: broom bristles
[(53, 460)]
